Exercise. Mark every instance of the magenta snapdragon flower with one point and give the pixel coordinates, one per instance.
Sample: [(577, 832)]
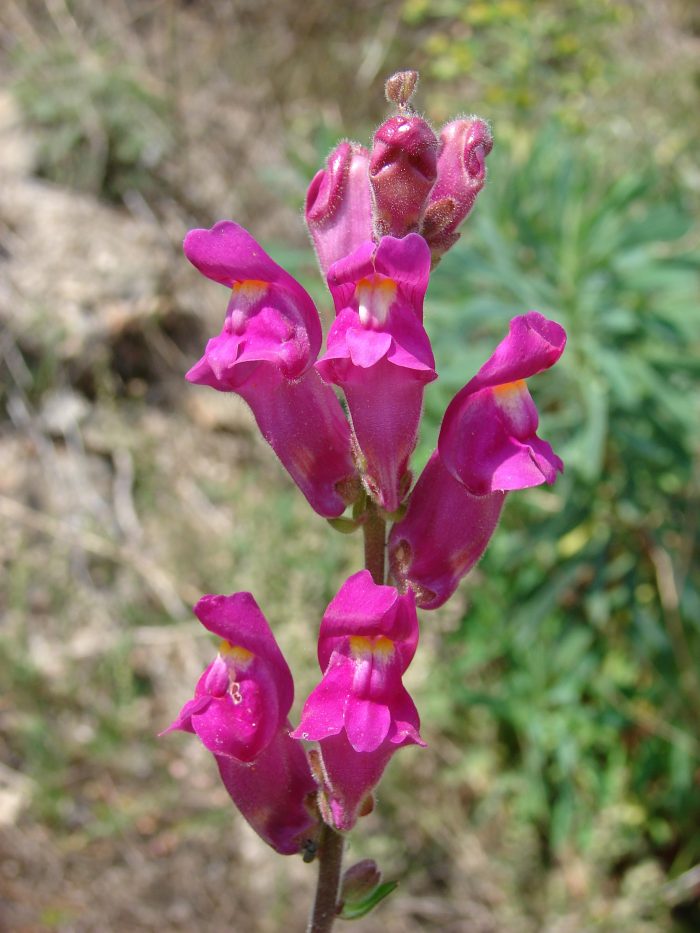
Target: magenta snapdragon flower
[(488, 446), (265, 353), (239, 712), (488, 439), (380, 355), (360, 712)]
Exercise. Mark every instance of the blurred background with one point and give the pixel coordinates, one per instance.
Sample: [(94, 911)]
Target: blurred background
[(560, 688)]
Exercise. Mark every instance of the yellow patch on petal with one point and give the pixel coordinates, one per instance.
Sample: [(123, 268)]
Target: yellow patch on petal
[(244, 296), (238, 656), (375, 295), (378, 646), (512, 398), (249, 289), (509, 389)]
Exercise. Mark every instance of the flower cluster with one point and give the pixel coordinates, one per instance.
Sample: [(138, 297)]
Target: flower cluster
[(380, 221)]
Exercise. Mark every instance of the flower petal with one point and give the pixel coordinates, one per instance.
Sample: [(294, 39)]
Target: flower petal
[(367, 723), (272, 793), (443, 534), (324, 710)]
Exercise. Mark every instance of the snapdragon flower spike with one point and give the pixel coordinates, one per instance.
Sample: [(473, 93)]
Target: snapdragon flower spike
[(239, 712), (338, 204), (379, 354), (360, 712), (461, 173), (488, 439), (402, 171), (443, 534), (265, 353)]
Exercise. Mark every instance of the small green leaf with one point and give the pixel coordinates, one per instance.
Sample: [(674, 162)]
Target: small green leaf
[(345, 526), (357, 909)]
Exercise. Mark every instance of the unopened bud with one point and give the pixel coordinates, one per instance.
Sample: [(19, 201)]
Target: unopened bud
[(461, 168), (400, 87), (437, 217), (338, 204), (360, 880), (402, 172)]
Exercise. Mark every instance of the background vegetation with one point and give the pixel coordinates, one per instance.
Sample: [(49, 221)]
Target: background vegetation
[(560, 692)]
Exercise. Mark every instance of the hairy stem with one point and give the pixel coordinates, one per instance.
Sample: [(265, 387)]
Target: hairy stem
[(374, 530), (330, 861)]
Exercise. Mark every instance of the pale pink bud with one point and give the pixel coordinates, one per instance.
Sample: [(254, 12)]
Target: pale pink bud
[(338, 204)]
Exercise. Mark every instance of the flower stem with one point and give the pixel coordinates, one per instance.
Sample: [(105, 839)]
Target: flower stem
[(374, 529), (330, 861)]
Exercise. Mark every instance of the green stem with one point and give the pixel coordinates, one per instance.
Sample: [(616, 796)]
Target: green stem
[(374, 529), (330, 862)]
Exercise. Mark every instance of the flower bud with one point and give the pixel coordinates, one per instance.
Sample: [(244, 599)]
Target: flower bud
[(461, 173), (360, 880), (402, 171), (338, 204), (400, 87)]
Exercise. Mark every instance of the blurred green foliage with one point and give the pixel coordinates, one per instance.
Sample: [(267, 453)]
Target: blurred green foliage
[(546, 53), (100, 128), (582, 640), (573, 680)]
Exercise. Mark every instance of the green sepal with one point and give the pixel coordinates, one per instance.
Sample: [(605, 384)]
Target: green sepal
[(360, 505), (356, 909), (398, 514), (345, 526)]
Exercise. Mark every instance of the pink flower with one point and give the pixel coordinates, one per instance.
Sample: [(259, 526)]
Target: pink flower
[(488, 438), (338, 204), (487, 446), (239, 712), (265, 353), (461, 173), (442, 536), (380, 355), (360, 712), (402, 170)]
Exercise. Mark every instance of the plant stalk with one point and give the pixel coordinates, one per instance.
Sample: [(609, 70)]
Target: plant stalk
[(330, 862), (374, 529)]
